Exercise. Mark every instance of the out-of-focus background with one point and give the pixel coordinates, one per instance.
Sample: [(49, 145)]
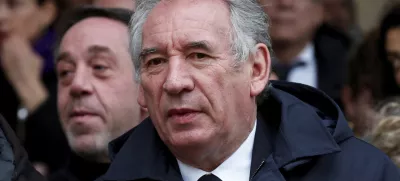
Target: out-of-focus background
[(369, 12)]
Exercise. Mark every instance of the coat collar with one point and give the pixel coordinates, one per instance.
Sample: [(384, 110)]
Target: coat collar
[(308, 123), (289, 131), (142, 156)]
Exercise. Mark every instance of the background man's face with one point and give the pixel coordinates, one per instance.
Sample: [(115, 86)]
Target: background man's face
[(393, 50), (338, 14), (292, 20), (96, 89), (194, 94)]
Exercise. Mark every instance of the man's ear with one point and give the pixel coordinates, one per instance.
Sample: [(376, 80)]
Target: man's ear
[(261, 68), (140, 98)]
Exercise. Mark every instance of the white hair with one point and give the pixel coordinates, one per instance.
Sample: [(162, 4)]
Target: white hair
[(95, 148), (248, 20)]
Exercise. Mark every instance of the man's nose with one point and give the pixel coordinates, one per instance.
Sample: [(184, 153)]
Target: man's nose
[(81, 84), (178, 79)]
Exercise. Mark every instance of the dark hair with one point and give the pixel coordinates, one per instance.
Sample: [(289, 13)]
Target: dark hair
[(364, 68), (61, 4), (390, 20), (369, 68), (76, 15)]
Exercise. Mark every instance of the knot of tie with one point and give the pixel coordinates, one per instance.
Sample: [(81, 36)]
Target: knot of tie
[(209, 177)]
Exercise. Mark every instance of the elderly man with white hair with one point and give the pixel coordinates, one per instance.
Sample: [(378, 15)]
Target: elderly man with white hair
[(204, 68)]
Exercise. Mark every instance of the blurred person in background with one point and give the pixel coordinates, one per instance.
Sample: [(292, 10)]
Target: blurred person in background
[(307, 51), (97, 93), (386, 134), (373, 73), (389, 107), (129, 4), (27, 79), (387, 137), (342, 15), (389, 44), (363, 85)]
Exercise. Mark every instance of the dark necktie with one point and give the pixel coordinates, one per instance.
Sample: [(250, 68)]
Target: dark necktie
[(283, 70), (209, 177)]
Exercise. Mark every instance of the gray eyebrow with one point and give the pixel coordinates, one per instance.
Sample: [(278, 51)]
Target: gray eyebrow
[(205, 45), (199, 45), (147, 51)]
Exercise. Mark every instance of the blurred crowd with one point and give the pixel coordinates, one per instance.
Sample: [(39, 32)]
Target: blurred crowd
[(315, 42)]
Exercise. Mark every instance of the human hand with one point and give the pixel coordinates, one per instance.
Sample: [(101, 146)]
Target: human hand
[(22, 67)]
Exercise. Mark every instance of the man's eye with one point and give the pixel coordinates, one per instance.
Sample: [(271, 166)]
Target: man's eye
[(155, 61), (198, 56), (99, 67), (64, 70), (63, 73)]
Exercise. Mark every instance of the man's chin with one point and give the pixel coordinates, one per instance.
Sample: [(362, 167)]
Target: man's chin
[(89, 145), (190, 139)]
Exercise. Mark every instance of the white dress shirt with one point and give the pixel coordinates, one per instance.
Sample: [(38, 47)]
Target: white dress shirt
[(236, 167), (306, 74)]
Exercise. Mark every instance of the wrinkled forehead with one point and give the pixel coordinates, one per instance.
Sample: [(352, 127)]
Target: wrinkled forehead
[(207, 14)]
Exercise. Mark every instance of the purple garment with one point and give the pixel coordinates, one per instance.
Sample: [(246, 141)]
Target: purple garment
[(44, 46)]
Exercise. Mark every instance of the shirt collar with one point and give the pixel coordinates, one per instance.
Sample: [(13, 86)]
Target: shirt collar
[(229, 169), (307, 54)]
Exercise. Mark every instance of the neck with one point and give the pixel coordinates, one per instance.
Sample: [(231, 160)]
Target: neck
[(286, 52), (208, 157)]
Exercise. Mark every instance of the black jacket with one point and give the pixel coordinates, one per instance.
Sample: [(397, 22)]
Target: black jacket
[(79, 169), (301, 135), (14, 163), (331, 52)]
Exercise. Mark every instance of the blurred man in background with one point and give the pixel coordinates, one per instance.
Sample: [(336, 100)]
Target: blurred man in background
[(306, 51), (342, 15), (96, 90), (373, 73)]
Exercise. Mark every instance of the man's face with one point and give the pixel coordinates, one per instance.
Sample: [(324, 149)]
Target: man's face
[(338, 14), (293, 20), (96, 89), (393, 50), (195, 94)]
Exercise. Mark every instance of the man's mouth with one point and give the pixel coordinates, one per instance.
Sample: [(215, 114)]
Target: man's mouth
[(80, 115), (182, 115)]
